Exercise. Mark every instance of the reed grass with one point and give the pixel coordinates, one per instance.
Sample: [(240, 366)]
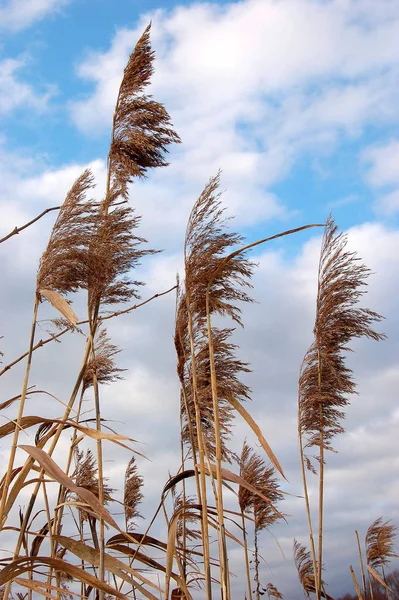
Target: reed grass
[(77, 545)]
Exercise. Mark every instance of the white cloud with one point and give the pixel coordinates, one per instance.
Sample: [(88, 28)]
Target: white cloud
[(15, 93), (384, 160), (382, 173), (16, 15), (253, 85)]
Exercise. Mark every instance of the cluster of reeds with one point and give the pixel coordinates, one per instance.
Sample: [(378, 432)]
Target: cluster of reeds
[(93, 249)]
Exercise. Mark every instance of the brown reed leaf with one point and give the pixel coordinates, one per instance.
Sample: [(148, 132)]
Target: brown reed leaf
[(112, 564), (380, 543), (24, 564), (140, 538), (86, 476), (325, 382), (60, 304), (46, 424), (102, 365), (38, 539), (142, 558), (132, 496), (52, 469), (36, 586), (142, 128), (379, 579), (255, 472), (63, 265)]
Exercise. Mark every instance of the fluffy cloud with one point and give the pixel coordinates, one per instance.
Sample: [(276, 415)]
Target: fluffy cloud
[(15, 93), (16, 15), (249, 94), (382, 174)]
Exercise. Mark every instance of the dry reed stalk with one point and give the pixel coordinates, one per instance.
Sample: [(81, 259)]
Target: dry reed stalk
[(325, 382), (255, 472), (361, 563), (355, 583), (307, 503), (17, 230)]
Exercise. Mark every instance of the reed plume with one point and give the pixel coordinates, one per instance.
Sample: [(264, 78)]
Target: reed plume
[(273, 592), (228, 369), (113, 252), (63, 266), (380, 544), (86, 476), (102, 365), (306, 574), (325, 382), (133, 495), (142, 128), (141, 134), (206, 244)]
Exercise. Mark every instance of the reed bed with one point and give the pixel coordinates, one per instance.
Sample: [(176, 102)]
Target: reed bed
[(76, 543)]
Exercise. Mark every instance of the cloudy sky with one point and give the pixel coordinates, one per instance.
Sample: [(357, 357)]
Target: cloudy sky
[(297, 102)]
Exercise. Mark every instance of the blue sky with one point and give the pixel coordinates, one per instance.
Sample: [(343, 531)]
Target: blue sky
[(297, 102)]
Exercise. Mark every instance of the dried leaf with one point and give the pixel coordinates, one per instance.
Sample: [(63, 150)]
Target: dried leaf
[(117, 567), (25, 564), (61, 305), (52, 469)]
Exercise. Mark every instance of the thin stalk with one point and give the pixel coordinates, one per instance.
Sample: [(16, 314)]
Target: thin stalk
[(184, 532), (247, 568), (321, 484), (51, 541), (257, 562), (204, 505), (100, 479), (62, 491), (361, 563), (3, 514), (308, 513), (224, 569), (371, 586), (17, 230), (357, 587)]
